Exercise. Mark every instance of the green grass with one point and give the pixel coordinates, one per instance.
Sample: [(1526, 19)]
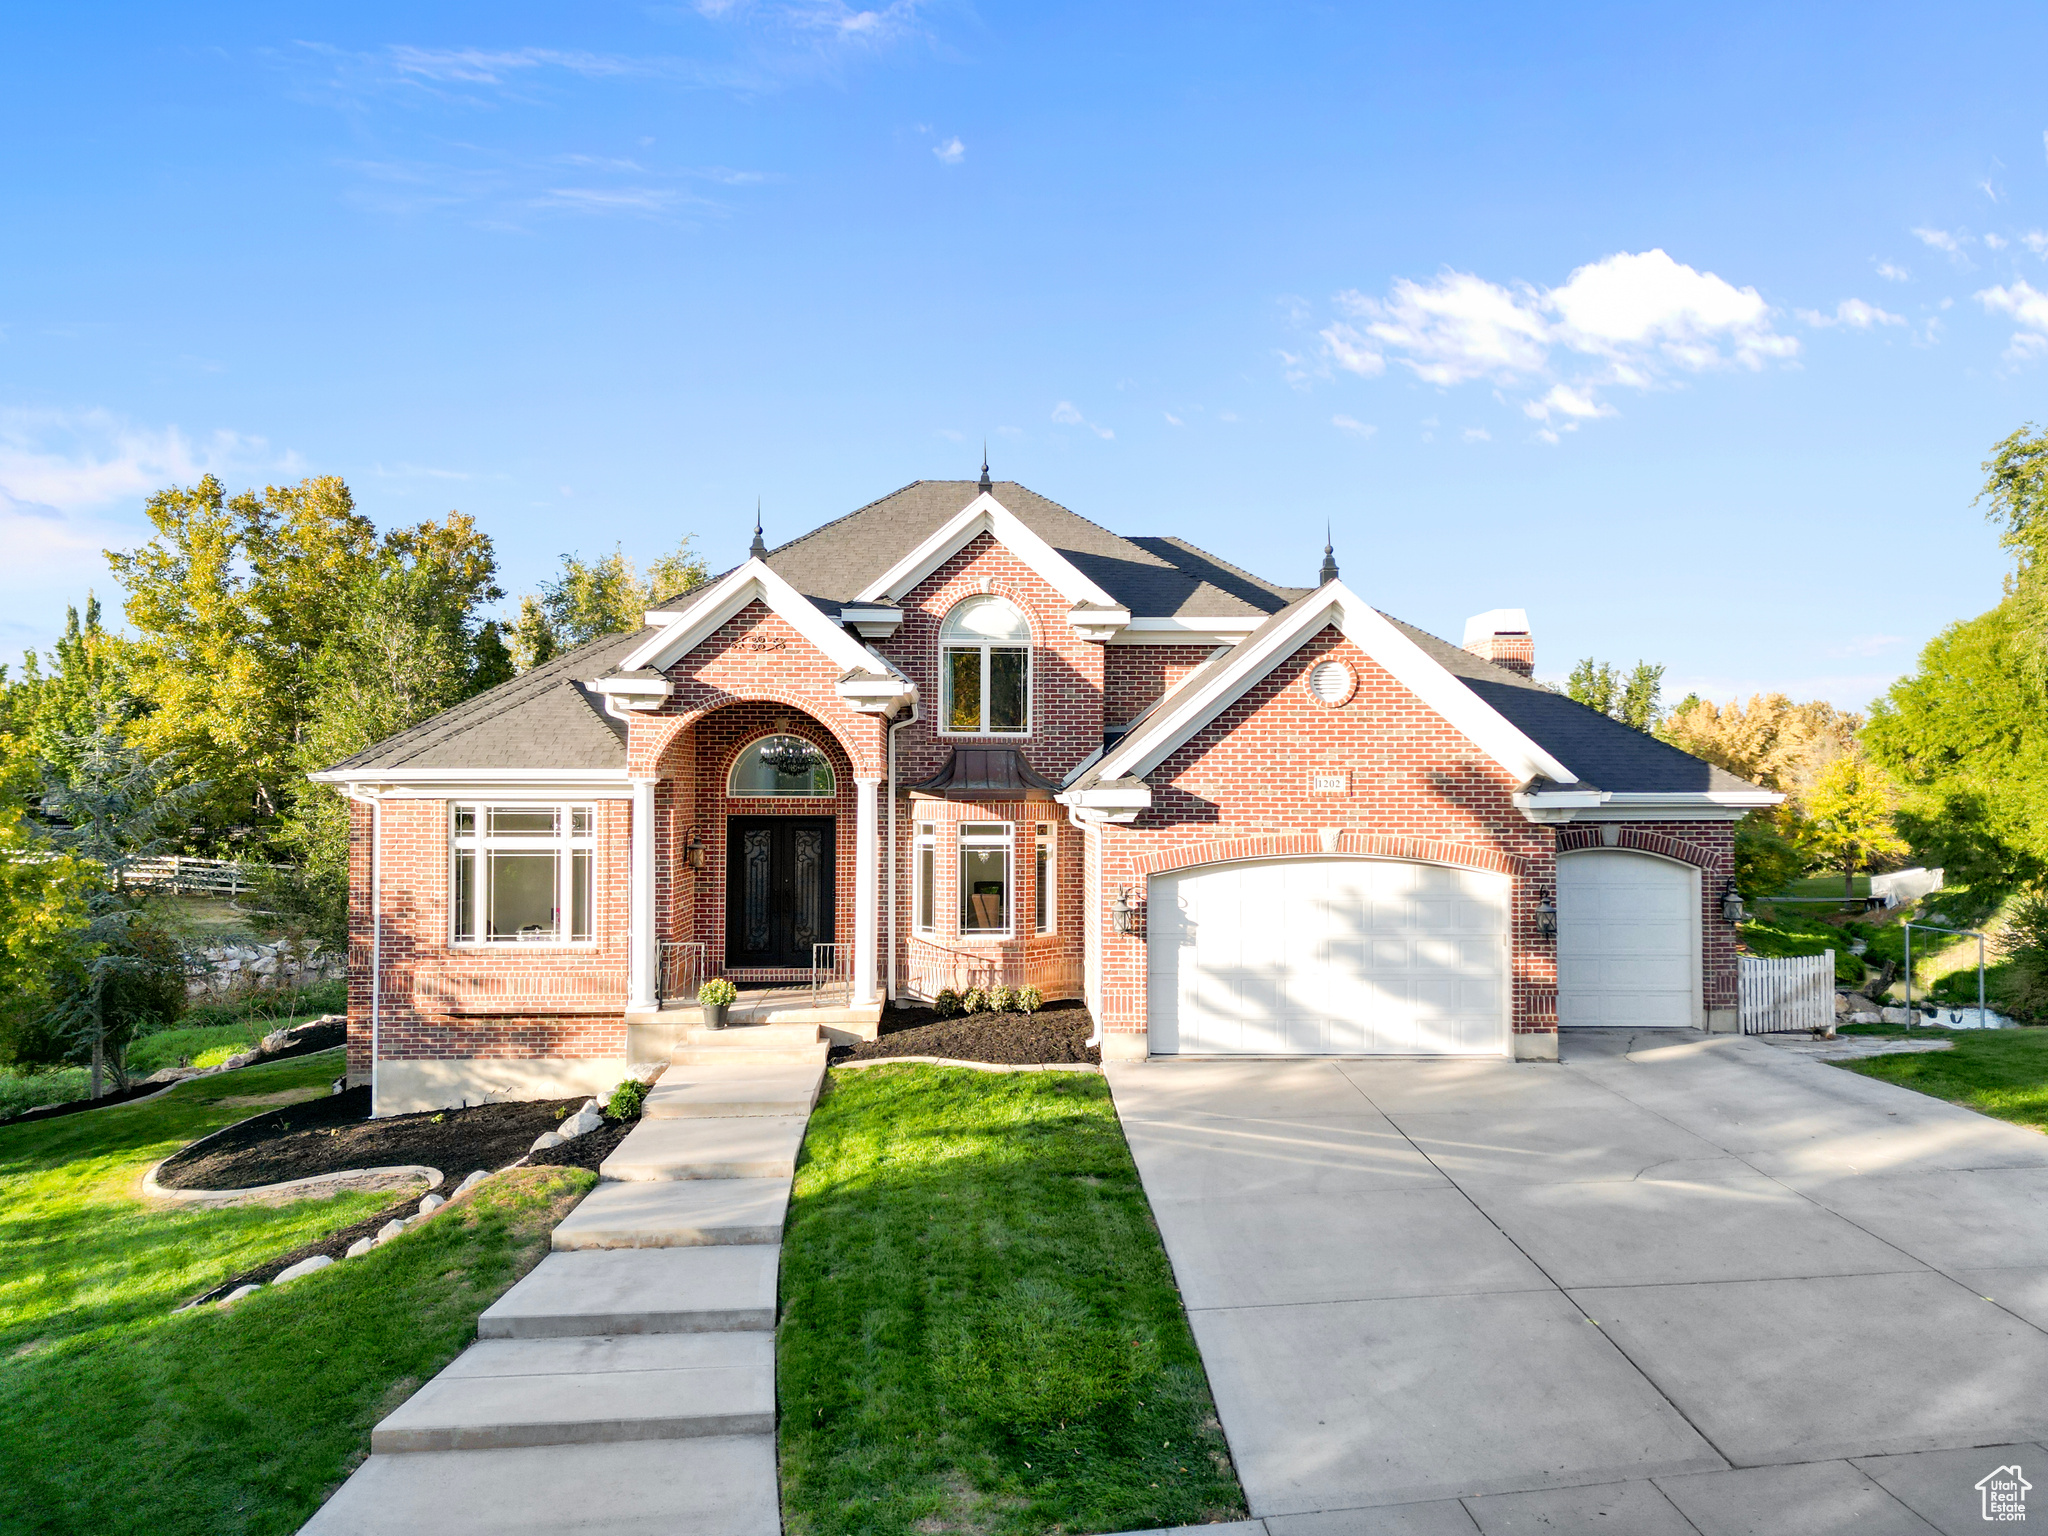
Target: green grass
[(202, 1045), (2001, 1072), (121, 1416), (1823, 885), (980, 1331)]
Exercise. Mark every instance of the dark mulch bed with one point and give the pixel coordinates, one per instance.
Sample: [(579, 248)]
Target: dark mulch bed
[(1053, 1034), (587, 1150), (79, 1106), (308, 1039), (333, 1133)]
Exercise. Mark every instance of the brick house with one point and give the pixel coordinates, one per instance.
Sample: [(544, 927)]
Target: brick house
[(963, 736)]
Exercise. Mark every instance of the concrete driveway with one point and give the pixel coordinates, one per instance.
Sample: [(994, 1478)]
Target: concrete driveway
[(1674, 1283)]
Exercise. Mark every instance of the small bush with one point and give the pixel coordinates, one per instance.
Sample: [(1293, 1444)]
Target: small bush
[(1030, 999), (717, 993), (976, 1001), (1002, 999), (217, 1055), (946, 1004), (627, 1099)]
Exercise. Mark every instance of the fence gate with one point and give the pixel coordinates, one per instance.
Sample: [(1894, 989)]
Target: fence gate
[(1796, 992)]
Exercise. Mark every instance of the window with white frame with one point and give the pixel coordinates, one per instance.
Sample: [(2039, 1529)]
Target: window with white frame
[(1045, 907), (523, 873), (924, 879), (985, 878), (778, 766), (985, 669)]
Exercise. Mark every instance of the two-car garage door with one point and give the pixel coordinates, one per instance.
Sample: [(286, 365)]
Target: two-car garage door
[(1352, 957)]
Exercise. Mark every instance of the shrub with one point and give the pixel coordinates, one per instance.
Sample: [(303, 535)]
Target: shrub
[(946, 1004), (2024, 944), (1030, 999), (717, 993), (1002, 999), (628, 1097), (976, 1001)]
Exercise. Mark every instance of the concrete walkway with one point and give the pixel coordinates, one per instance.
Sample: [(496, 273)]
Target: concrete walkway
[(1676, 1283), (627, 1384)]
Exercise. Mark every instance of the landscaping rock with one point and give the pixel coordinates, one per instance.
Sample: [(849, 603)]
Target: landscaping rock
[(359, 1247), (237, 1294), (545, 1140), (172, 1074), (303, 1267), (471, 1182), (1899, 1016), (582, 1123), (430, 1204), (241, 1060), (389, 1230)]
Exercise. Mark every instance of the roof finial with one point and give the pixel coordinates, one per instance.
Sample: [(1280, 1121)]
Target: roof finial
[(758, 549), (1329, 557), (984, 467)]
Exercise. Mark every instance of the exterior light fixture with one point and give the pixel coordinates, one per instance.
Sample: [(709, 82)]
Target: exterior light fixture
[(1546, 919), (788, 756), (694, 850), (1120, 909), (1731, 905)]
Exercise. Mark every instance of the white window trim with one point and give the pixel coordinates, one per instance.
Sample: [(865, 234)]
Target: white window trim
[(1045, 880), (565, 844), (1030, 649), (741, 756), (1007, 841), (925, 840)]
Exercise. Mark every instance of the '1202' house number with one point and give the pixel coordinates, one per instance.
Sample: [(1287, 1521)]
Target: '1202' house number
[(1328, 783)]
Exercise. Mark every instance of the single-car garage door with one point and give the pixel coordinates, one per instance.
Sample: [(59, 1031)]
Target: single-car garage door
[(1628, 941), (1347, 957)]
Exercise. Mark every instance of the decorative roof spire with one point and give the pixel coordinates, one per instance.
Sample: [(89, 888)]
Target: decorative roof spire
[(758, 549), (984, 467), (1329, 558)]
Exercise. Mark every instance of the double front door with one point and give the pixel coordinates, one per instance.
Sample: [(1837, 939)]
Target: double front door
[(778, 892)]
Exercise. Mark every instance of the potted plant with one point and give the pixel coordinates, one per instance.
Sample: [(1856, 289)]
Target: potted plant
[(715, 996)]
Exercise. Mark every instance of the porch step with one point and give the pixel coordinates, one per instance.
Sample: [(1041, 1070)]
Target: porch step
[(716, 1090), (604, 1292), (748, 1147), (676, 1213), (506, 1393), (748, 1036), (751, 1056)]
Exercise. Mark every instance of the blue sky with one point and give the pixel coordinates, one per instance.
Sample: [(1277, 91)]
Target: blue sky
[(1685, 331)]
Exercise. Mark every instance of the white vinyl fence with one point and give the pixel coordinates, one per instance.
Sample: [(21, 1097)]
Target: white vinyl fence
[(1797, 992)]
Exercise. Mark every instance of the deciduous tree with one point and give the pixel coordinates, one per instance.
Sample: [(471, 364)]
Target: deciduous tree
[(1847, 820)]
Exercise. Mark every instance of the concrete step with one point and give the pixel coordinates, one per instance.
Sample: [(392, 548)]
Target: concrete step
[(753, 1056), (742, 1147), (748, 1036), (713, 1487), (521, 1392), (719, 1089), (601, 1291), (676, 1213)]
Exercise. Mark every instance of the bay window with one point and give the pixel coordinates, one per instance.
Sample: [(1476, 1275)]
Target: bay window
[(522, 873), (985, 669), (985, 878)]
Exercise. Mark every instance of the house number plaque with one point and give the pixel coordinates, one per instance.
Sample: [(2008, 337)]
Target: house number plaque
[(1329, 783)]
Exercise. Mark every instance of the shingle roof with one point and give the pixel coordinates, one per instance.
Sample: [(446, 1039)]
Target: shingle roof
[(545, 718)]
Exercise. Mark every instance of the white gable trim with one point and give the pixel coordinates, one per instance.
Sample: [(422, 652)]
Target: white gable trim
[(752, 582), (1256, 657), (985, 514)]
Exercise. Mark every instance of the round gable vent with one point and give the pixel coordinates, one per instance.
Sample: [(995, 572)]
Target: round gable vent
[(1331, 683)]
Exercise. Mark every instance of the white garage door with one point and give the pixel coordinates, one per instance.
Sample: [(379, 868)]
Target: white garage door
[(1347, 957), (1627, 941)]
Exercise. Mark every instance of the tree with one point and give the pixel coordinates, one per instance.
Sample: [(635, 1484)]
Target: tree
[(122, 970), (85, 680), (1848, 819), (594, 598), (1633, 699), (1769, 741)]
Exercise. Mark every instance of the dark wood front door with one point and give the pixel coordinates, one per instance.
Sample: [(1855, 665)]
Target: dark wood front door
[(778, 889)]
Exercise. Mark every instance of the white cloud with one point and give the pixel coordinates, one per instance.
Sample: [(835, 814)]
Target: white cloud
[(1865, 645), (1172, 420), (1941, 240), (1636, 317), (2029, 307), (2036, 241), (1067, 414), (1995, 242), (1892, 274), (952, 152), (1478, 435), (1853, 313), (1352, 426)]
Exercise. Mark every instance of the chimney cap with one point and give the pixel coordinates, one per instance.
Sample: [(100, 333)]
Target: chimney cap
[(1496, 621)]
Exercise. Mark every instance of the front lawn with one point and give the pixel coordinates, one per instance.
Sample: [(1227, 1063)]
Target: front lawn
[(2001, 1072), (121, 1416), (980, 1331)]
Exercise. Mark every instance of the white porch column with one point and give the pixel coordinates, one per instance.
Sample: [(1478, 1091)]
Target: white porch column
[(866, 889), (641, 991)]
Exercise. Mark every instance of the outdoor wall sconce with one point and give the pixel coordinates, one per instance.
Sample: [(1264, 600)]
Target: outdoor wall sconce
[(1120, 909), (1546, 919), (1731, 905), (694, 850)]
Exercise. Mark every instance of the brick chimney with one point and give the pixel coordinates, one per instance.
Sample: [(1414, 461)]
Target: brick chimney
[(1502, 636)]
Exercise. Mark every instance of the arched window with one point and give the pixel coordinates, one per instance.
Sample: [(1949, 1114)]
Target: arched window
[(985, 667), (780, 765)]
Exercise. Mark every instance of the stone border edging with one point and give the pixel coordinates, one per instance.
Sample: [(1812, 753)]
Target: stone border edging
[(976, 1066), (389, 1177)]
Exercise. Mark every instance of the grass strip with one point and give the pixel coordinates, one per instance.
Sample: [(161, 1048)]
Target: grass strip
[(2000, 1072), (980, 1330)]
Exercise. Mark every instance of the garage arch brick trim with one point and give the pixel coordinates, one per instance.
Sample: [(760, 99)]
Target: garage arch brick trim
[(1361, 845)]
